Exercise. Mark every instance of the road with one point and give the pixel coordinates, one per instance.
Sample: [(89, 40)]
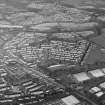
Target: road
[(45, 78)]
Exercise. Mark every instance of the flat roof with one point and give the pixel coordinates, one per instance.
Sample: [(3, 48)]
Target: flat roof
[(70, 100), (81, 76), (97, 73), (102, 85)]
